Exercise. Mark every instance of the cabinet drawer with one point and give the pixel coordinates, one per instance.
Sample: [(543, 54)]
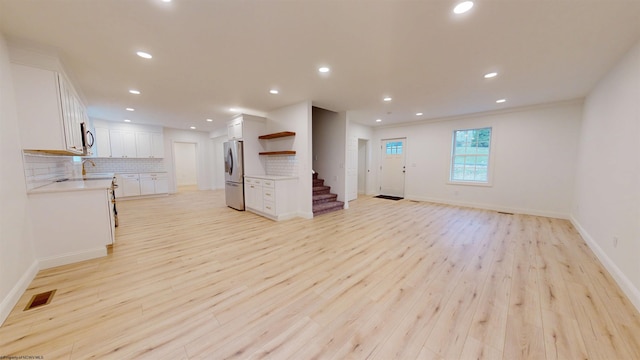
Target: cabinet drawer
[(268, 183), (269, 207), (268, 194), (253, 181)]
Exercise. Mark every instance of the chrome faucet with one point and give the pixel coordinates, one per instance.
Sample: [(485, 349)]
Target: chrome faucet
[(84, 172)]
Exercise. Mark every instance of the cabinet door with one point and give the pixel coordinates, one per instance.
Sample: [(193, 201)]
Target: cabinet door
[(157, 145), (253, 196), (143, 144), (162, 185), (130, 185), (123, 143), (71, 115), (234, 129), (102, 144), (147, 186)]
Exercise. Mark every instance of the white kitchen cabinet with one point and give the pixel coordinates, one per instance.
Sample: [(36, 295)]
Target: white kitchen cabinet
[(271, 196), (61, 238), (154, 183), (149, 145), (49, 111), (129, 184), (253, 198), (234, 129), (123, 143), (102, 143), (245, 127), (157, 145)]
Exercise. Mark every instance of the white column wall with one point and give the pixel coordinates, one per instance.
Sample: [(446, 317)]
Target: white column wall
[(18, 264), (606, 208)]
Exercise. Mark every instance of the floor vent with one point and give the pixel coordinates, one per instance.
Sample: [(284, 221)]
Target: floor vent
[(40, 300), (505, 213)]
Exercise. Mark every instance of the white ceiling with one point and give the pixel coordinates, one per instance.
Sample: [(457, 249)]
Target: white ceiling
[(210, 55)]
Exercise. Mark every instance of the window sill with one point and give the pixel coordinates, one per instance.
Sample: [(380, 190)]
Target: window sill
[(469, 183)]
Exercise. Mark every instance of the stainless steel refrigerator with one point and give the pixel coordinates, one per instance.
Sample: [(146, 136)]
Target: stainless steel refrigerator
[(234, 174)]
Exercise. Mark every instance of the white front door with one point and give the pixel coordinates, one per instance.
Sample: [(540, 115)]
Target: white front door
[(392, 167)]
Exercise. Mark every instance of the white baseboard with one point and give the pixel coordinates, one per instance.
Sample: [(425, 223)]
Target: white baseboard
[(625, 284), (70, 258), (493, 207), (306, 215), (16, 292)]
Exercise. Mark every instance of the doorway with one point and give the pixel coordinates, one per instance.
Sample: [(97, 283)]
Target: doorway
[(185, 162), (392, 169)]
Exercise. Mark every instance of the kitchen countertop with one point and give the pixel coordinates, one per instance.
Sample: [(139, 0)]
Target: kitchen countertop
[(94, 181), (271, 177)]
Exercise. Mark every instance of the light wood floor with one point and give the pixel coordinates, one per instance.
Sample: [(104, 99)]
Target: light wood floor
[(191, 278)]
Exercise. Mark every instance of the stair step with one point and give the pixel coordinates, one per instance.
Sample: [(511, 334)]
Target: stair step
[(318, 182), (315, 175), (327, 207), (318, 190), (323, 198)]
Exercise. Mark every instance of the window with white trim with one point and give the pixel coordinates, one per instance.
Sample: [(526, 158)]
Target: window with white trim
[(470, 156)]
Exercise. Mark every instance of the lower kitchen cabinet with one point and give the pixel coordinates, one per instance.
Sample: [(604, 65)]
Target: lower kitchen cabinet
[(154, 183), (130, 185), (63, 236), (271, 196)]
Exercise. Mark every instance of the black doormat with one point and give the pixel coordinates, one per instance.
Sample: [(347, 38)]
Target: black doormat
[(388, 197)]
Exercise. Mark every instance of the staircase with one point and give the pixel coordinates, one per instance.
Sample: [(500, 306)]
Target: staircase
[(324, 201)]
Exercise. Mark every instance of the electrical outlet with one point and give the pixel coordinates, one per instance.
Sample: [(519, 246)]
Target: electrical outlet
[(615, 241)]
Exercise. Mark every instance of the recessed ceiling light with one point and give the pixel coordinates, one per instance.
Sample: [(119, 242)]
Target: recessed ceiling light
[(387, 98), (463, 7), (379, 120), (418, 114), (144, 55), (192, 127), (233, 109), (166, 1), (273, 91), (130, 109), (127, 120), (133, 91), (501, 101), (324, 69), (490, 75), (209, 120)]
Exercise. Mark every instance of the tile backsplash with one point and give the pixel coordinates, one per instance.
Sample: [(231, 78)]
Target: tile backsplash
[(126, 165), (40, 170), (282, 165)]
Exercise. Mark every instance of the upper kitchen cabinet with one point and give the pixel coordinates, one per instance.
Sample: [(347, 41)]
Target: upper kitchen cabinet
[(49, 111), (149, 145), (117, 140), (245, 126), (123, 144)]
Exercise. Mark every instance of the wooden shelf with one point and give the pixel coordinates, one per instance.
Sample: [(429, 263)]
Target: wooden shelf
[(277, 135), (286, 152)]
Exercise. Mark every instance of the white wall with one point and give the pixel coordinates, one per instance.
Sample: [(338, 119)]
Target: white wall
[(204, 164), (534, 151), (297, 118), (607, 187), (217, 171), (18, 264), (329, 134)]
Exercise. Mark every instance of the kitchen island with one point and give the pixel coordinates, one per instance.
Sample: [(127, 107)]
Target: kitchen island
[(73, 220), (271, 196)]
